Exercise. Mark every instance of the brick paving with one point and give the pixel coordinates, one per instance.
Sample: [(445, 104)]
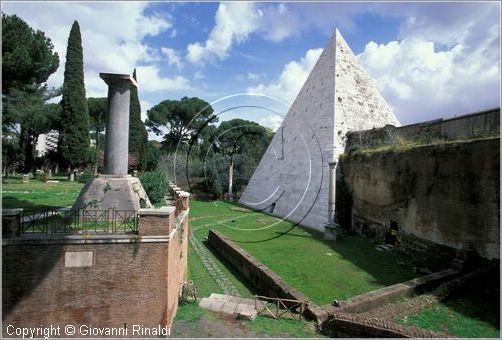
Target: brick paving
[(214, 271)]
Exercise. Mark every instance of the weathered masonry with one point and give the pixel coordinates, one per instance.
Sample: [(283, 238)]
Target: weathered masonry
[(433, 188), (105, 277)]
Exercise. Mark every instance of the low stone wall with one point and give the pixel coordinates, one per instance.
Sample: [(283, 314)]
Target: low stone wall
[(260, 276), (364, 302), (347, 325)]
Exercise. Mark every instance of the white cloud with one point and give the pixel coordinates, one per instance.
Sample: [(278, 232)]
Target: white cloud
[(150, 80), (253, 76), (272, 121), (292, 78), (234, 22), (173, 57), (145, 106), (112, 38), (198, 75), (422, 83)]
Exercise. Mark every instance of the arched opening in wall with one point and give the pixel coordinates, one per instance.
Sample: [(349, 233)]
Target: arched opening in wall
[(392, 233)]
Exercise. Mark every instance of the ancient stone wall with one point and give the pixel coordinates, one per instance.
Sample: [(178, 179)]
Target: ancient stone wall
[(445, 194), (260, 276), (469, 126), (263, 279)]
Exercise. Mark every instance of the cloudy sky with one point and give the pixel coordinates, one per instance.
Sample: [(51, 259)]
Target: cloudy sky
[(428, 59)]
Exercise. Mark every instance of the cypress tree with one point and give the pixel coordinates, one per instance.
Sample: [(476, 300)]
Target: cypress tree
[(74, 132), (138, 136)]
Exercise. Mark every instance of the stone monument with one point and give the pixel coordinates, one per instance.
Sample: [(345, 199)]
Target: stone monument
[(296, 177), (115, 189)]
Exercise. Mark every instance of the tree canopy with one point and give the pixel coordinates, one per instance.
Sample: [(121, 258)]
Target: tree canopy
[(27, 55), (97, 117), (179, 120), (28, 60), (138, 136), (74, 132), (242, 136)]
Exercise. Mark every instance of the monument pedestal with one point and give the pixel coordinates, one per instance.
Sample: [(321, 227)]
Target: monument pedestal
[(332, 231), (112, 192)]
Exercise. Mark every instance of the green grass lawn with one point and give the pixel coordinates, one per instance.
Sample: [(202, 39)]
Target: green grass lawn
[(37, 195), (475, 314), (322, 270)]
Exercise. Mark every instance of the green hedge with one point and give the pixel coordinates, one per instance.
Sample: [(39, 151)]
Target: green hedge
[(155, 184), (85, 176)]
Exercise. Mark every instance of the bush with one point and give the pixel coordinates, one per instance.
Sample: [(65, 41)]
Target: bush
[(42, 176), (85, 176), (155, 184)]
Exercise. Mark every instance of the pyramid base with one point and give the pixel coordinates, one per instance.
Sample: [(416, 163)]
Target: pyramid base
[(112, 192)]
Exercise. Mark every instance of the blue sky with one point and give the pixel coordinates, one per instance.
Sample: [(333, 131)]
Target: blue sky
[(428, 59)]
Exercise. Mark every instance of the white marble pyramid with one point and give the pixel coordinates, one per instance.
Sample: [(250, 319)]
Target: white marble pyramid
[(292, 178)]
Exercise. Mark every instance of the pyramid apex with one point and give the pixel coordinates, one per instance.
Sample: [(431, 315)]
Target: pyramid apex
[(338, 34)]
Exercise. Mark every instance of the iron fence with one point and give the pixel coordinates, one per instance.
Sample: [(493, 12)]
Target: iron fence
[(54, 221)]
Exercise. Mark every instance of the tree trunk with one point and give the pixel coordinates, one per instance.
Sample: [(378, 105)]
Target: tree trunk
[(97, 153)]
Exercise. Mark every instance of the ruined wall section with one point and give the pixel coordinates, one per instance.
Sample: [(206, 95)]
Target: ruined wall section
[(445, 194), (469, 126)]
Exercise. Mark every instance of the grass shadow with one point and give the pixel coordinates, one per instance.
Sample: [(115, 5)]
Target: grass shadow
[(28, 206), (479, 300), (233, 271), (383, 266)]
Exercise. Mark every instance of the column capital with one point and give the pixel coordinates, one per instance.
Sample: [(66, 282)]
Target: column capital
[(114, 79)]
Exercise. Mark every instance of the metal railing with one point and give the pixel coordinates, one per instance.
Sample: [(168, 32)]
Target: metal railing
[(54, 221)]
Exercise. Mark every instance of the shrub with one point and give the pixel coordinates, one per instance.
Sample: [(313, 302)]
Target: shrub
[(155, 184), (42, 176), (85, 176)]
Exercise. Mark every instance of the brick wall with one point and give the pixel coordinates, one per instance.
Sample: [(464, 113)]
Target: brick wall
[(127, 283), (107, 281)]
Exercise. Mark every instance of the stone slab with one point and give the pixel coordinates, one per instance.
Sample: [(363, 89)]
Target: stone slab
[(231, 305)]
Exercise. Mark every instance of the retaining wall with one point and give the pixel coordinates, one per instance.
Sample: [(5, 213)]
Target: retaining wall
[(441, 198), (260, 276)]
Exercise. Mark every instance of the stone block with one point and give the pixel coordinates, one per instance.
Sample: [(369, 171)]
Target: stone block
[(229, 307), (205, 303), (246, 313)]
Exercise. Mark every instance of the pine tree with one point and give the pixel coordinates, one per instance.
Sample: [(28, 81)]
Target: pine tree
[(74, 132), (138, 136)]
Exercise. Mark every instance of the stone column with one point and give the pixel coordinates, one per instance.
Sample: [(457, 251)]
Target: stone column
[(230, 196), (117, 123), (332, 193)]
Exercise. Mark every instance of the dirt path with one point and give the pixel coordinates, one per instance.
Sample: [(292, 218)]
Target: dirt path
[(221, 327)]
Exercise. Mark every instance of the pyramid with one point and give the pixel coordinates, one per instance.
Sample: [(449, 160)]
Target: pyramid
[(293, 177)]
